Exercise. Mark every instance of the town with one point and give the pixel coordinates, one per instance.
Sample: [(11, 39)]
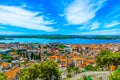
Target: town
[(16, 56)]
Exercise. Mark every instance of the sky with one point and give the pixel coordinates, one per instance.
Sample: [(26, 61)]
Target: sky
[(69, 17)]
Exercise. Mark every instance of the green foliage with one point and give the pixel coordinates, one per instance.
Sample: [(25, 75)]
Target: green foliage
[(107, 37), (24, 63), (106, 58), (30, 73), (72, 68), (115, 75), (45, 47), (72, 65), (37, 57), (45, 71), (45, 52), (61, 46), (3, 77), (89, 77), (0, 63), (48, 69), (69, 75), (91, 68), (18, 51), (75, 69), (69, 69), (8, 58), (24, 74), (84, 77), (32, 55), (12, 50), (61, 37)]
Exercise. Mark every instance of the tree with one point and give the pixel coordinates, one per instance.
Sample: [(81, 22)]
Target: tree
[(46, 70), (106, 58), (72, 64), (45, 47), (91, 68), (115, 75), (24, 74), (29, 73), (40, 56), (116, 58), (61, 46), (49, 69), (3, 77), (69, 69), (76, 69), (7, 57), (84, 77), (32, 55), (27, 56), (45, 52), (18, 51), (101, 58)]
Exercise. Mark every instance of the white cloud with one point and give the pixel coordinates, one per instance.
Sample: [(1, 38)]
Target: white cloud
[(9, 33), (94, 25), (112, 24), (90, 26), (81, 11), (82, 27), (19, 17), (101, 32)]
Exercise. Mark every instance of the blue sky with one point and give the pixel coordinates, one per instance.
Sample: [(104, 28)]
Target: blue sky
[(81, 17)]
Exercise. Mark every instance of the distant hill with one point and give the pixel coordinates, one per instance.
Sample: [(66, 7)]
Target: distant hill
[(58, 36)]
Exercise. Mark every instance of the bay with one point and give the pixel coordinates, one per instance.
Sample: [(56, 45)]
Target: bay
[(64, 41)]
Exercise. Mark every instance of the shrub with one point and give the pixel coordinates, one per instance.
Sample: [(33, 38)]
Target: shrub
[(115, 75)]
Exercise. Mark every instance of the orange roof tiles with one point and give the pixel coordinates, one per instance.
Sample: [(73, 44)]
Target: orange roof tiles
[(63, 59), (12, 73), (52, 57), (0, 55), (12, 53), (5, 64), (112, 67), (90, 61), (79, 58), (75, 46)]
